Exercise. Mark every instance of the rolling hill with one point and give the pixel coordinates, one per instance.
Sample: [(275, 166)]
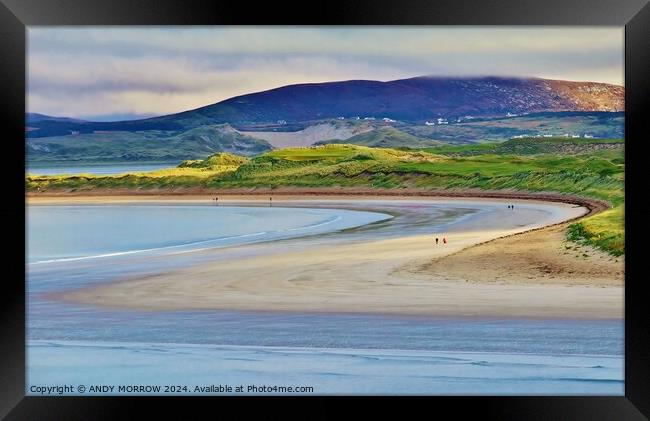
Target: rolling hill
[(384, 137), (412, 100), (153, 146), (417, 112), (316, 132)]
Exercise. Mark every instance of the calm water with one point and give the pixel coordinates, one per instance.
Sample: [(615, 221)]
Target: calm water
[(69, 233), (98, 169), (74, 246)]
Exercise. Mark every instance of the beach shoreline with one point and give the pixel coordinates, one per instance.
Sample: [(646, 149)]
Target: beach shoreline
[(290, 193), (400, 276)]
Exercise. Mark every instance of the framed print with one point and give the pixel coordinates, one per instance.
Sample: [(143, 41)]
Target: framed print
[(380, 201)]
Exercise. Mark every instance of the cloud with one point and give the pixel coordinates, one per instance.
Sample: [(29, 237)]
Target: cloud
[(91, 71)]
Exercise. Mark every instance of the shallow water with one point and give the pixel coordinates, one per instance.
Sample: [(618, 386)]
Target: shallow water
[(328, 370), (97, 169), (334, 353), (70, 233)]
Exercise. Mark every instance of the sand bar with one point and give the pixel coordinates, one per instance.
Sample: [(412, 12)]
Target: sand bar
[(407, 275)]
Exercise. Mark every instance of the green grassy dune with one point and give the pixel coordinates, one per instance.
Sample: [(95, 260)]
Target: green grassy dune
[(386, 137)]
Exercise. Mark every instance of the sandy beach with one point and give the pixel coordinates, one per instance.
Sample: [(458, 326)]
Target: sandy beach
[(519, 269)]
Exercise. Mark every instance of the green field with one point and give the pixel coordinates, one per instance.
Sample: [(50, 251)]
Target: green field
[(593, 168)]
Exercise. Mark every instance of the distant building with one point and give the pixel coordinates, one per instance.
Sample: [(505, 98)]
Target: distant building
[(388, 120), (575, 136), (341, 118), (282, 122), (509, 114), (588, 136), (442, 121), (429, 123), (369, 118)]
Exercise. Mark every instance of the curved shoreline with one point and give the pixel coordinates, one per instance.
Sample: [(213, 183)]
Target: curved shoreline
[(362, 278), (342, 220), (594, 205)]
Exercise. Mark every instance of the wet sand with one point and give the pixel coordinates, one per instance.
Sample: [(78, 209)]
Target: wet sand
[(477, 273)]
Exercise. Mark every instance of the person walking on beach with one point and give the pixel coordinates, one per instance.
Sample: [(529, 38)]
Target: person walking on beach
[(436, 240), (444, 240)]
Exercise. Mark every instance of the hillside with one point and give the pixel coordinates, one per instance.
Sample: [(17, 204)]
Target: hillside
[(414, 100), (33, 118), (155, 145), (143, 146), (316, 132), (222, 138), (597, 124), (385, 137)]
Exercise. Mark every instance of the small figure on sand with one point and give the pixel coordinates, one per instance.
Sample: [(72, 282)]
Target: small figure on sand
[(270, 201), (444, 240), (436, 240), (216, 200)]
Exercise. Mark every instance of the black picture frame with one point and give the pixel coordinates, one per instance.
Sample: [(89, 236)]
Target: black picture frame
[(15, 15)]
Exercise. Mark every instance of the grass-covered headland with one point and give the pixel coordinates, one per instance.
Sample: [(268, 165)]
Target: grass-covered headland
[(590, 168)]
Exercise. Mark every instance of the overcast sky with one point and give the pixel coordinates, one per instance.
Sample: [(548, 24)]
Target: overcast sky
[(108, 73)]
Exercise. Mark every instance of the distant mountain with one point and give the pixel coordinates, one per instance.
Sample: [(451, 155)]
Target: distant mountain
[(120, 117), (414, 100), (38, 118)]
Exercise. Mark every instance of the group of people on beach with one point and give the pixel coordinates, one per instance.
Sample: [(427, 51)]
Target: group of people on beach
[(511, 206), (444, 240)]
